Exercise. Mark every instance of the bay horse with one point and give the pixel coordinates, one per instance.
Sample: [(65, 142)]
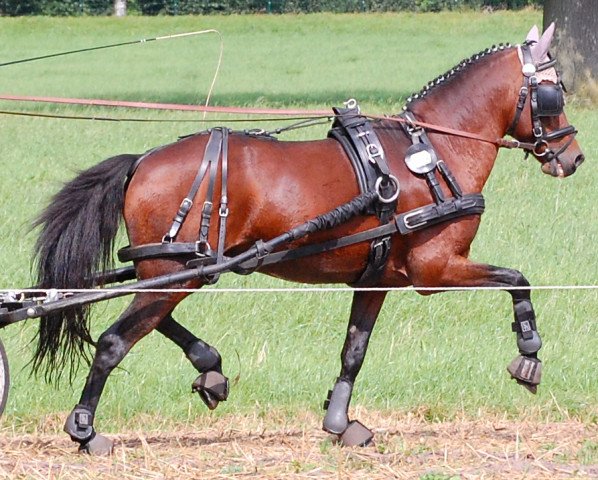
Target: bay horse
[(274, 186)]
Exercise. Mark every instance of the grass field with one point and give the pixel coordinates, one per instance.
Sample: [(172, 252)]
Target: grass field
[(442, 357)]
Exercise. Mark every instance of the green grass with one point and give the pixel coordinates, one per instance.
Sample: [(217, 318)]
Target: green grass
[(444, 355)]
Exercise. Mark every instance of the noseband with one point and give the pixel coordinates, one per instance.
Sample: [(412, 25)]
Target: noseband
[(546, 100)]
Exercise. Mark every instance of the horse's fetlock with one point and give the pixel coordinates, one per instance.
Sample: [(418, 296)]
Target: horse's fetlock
[(79, 424), (528, 339), (529, 346), (336, 420), (203, 357)]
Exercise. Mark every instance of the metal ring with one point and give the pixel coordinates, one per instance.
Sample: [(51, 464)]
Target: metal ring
[(394, 196), (351, 104), (541, 143)]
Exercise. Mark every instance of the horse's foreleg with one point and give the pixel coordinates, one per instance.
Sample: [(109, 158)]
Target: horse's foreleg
[(460, 272), (527, 367), (141, 317), (211, 385), (364, 312)]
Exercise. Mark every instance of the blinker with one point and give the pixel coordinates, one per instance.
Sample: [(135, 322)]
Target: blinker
[(550, 100)]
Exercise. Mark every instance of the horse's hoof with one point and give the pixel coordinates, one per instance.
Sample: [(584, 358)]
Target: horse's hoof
[(356, 435), (212, 388), (527, 371), (98, 445), (528, 386)]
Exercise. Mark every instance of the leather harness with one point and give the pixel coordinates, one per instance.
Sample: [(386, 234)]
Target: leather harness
[(379, 193)]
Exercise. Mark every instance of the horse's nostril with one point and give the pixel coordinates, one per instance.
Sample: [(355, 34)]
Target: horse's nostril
[(579, 160)]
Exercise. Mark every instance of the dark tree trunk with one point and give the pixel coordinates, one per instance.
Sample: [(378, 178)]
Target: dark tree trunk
[(576, 39)]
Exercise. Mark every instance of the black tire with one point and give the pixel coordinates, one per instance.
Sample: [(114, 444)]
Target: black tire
[(4, 378)]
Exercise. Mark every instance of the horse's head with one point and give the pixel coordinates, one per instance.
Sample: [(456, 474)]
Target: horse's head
[(539, 119)]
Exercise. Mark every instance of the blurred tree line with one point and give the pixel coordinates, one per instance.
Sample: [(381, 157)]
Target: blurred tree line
[(186, 7)]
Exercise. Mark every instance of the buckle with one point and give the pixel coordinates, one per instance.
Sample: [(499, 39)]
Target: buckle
[(374, 152), (203, 249), (409, 216)]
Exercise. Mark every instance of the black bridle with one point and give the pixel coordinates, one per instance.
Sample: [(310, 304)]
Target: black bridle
[(546, 100)]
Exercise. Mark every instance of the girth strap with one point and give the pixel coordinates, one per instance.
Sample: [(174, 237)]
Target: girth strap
[(363, 148)]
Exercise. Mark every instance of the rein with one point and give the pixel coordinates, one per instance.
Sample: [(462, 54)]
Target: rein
[(499, 142), (302, 114), (166, 106)]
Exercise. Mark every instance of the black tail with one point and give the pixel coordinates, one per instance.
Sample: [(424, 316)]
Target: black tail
[(76, 240)]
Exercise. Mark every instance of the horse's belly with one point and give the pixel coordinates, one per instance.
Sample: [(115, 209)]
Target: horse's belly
[(342, 266)]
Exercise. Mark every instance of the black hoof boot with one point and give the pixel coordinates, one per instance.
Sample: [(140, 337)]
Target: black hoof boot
[(97, 446), (79, 425), (356, 435), (212, 388), (527, 371)]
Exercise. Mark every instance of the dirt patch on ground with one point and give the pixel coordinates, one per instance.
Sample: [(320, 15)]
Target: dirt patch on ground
[(272, 448)]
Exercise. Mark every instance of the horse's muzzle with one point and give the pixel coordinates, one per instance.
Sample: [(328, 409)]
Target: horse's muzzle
[(561, 168)]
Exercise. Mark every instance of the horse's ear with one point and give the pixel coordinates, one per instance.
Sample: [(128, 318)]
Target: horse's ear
[(539, 50), (533, 36)]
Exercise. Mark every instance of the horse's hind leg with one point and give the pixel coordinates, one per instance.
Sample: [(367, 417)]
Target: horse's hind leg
[(364, 312), (141, 317), (211, 385)]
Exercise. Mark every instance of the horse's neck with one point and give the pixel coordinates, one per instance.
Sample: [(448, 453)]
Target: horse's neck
[(482, 101), (479, 100)]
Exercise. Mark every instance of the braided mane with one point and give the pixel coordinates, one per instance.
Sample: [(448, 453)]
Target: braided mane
[(454, 71)]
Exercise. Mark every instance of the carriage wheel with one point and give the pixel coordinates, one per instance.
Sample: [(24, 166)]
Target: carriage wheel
[(4, 378)]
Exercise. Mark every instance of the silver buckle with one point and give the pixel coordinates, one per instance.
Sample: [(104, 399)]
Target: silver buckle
[(411, 215), (374, 152)]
